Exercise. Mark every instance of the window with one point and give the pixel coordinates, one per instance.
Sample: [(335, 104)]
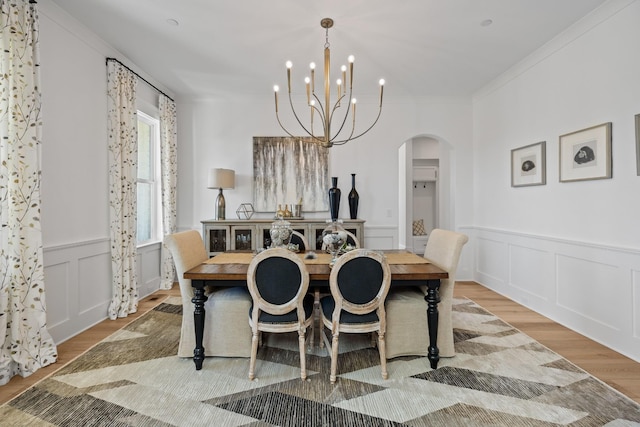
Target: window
[(148, 183)]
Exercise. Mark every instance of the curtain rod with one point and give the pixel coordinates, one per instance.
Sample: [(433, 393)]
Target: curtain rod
[(140, 77)]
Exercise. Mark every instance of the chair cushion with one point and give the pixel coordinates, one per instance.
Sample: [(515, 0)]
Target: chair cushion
[(290, 317), (328, 305)]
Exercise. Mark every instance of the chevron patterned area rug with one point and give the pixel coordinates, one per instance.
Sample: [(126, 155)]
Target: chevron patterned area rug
[(499, 377)]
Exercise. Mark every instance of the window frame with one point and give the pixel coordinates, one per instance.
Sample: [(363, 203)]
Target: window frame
[(155, 180)]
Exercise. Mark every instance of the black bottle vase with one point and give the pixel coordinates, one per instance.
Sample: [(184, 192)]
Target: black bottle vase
[(354, 198), (334, 198)]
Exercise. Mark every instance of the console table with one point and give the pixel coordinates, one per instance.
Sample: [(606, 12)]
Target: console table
[(248, 234)]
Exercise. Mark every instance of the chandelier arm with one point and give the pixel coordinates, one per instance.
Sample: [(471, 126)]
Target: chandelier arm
[(283, 128), (344, 141), (319, 110), (292, 135), (298, 120), (346, 115)]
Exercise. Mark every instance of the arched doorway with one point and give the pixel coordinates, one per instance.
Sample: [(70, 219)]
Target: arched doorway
[(425, 182)]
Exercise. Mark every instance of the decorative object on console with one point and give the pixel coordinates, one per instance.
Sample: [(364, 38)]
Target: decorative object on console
[(222, 179), (334, 239), (334, 198), (280, 233), (326, 111), (245, 211), (354, 198)]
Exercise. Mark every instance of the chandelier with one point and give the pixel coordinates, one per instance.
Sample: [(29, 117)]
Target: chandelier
[(326, 112)]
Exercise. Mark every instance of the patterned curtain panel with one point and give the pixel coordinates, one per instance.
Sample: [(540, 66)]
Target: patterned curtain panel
[(27, 345), (169, 169), (123, 168)]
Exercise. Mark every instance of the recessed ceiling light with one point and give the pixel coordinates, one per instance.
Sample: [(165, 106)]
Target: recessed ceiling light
[(173, 22), (486, 23)]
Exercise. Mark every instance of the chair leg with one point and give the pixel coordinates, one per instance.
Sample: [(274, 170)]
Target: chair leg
[(318, 316), (382, 349), (254, 353), (334, 358), (303, 359)]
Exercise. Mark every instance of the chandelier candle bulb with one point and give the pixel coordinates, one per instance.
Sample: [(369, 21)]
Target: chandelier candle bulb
[(381, 90), (289, 65), (307, 80), (275, 92), (312, 66)]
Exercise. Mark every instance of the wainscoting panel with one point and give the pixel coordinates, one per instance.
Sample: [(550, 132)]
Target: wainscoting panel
[(581, 289), (530, 272), (78, 284), (490, 259), (94, 290), (380, 237), (590, 288), (149, 269), (57, 295)]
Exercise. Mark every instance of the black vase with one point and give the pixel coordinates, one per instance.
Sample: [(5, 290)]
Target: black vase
[(354, 198), (334, 198)]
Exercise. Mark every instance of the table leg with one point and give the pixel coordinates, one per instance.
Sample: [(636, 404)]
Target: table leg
[(433, 298), (198, 301)]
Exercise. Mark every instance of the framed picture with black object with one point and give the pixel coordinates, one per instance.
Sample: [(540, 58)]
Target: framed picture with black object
[(529, 165), (586, 154)]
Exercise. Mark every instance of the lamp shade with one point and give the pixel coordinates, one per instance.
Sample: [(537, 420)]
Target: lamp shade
[(222, 178)]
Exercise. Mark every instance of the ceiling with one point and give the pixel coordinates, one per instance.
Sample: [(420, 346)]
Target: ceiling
[(239, 47)]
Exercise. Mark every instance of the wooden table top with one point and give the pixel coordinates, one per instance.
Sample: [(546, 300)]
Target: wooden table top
[(233, 266)]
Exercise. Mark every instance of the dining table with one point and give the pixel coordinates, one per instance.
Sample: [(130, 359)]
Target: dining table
[(230, 269)]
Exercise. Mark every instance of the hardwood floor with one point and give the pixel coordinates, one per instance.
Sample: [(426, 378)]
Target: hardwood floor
[(620, 372)]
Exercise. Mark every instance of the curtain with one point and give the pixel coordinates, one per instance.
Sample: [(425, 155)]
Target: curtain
[(123, 157), (27, 344), (169, 170)]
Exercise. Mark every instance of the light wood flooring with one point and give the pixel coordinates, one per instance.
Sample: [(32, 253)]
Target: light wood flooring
[(620, 372)]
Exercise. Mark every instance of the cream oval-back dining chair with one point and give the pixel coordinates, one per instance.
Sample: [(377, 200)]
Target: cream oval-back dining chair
[(351, 240), (359, 283), (298, 238), (226, 332), (278, 281), (407, 332)]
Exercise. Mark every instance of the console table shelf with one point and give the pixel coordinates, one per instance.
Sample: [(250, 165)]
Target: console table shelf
[(241, 234)]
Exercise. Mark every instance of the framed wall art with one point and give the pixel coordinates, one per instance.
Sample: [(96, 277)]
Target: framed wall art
[(529, 165), (287, 170), (638, 144), (586, 154)]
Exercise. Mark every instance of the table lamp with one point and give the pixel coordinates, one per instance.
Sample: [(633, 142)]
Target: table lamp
[(221, 179)]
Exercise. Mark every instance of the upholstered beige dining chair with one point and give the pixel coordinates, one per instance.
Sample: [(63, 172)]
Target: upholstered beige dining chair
[(278, 281), (407, 332), (226, 332), (359, 283)]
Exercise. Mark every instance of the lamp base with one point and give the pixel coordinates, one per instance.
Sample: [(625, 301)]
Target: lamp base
[(221, 206)]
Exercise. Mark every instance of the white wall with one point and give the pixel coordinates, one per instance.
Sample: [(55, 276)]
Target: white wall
[(75, 203), (219, 132), (572, 250)]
